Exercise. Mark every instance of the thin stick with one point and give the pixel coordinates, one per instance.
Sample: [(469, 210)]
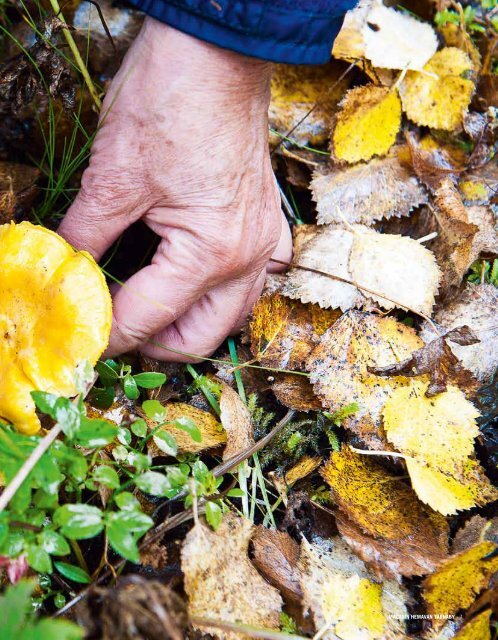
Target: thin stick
[(368, 452), (28, 466), (77, 56)]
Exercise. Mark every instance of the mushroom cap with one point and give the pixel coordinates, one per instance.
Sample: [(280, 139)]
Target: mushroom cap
[(55, 312)]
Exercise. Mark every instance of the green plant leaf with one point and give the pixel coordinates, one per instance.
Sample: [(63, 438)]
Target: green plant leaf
[(149, 380), (95, 432), (53, 543), (15, 608), (154, 483), (106, 475), (123, 529), (139, 428), (102, 398), (214, 514), (79, 521), (107, 374), (154, 410), (72, 572), (189, 426), (45, 402), (236, 493), (124, 435), (166, 443), (130, 387), (38, 559), (127, 501), (83, 376)]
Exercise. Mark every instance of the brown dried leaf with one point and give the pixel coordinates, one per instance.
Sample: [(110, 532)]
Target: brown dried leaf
[(479, 186), (384, 508), (345, 599), (434, 162), (437, 360), (476, 306), (17, 188), (295, 392), (221, 582), (276, 556), (383, 188), (236, 421), (302, 469), (338, 368), (211, 430)]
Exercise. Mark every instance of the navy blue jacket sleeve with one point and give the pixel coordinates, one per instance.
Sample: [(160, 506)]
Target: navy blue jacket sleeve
[(292, 31)]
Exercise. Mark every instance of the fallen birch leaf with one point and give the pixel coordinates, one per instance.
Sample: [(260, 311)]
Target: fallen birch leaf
[(439, 96), (433, 161), (276, 556), (476, 306), (383, 188), (447, 492), (326, 249), (383, 506), (55, 312), (387, 38), (212, 433), (367, 123), (437, 360), (17, 188), (295, 392), (303, 468), (236, 421), (437, 431), (345, 600), (457, 582), (307, 93), (479, 186), (339, 365), (221, 582), (283, 332), (457, 36), (397, 267), (476, 629)]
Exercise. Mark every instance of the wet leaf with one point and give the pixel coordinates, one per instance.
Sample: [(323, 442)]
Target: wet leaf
[(339, 365), (236, 421), (221, 582), (438, 96), (366, 124)]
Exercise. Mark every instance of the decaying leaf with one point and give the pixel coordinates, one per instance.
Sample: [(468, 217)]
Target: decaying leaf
[(455, 585), (457, 36), (345, 600), (338, 368), (479, 186), (438, 431), (398, 267), (295, 392), (476, 306), (307, 93), (302, 469), (439, 95), (395, 266), (55, 312), (464, 232), (382, 506), (392, 559), (383, 188), (283, 332), (212, 432), (437, 360), (236, 421), (433, 161), (221, 582), (448, 492), (276, 556), (17, 188), (476, 629), (387, 38), (367, 123)]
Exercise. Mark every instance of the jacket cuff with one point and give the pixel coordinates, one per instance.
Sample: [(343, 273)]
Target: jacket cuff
[(254, 28)]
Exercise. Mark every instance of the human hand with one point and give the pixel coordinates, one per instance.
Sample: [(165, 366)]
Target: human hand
[(183, 145)]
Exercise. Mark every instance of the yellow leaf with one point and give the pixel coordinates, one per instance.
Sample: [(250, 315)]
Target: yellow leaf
[(380, 504), (55, 312), (457, 582), (367, 123), (448, 493), (438, 431), (213, 434), (364, 193), (310, 92), (236, 421), (477, 629), (440, 95), (346, 601), (301, 469), (339, 364), (220, 581)]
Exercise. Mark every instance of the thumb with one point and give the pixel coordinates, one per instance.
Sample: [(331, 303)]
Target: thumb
[(101, 212)]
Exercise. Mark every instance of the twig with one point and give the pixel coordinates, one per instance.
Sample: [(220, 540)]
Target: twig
[(77, 56)]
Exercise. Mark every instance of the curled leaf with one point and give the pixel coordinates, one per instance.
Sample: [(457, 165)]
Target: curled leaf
[(236, 421)]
